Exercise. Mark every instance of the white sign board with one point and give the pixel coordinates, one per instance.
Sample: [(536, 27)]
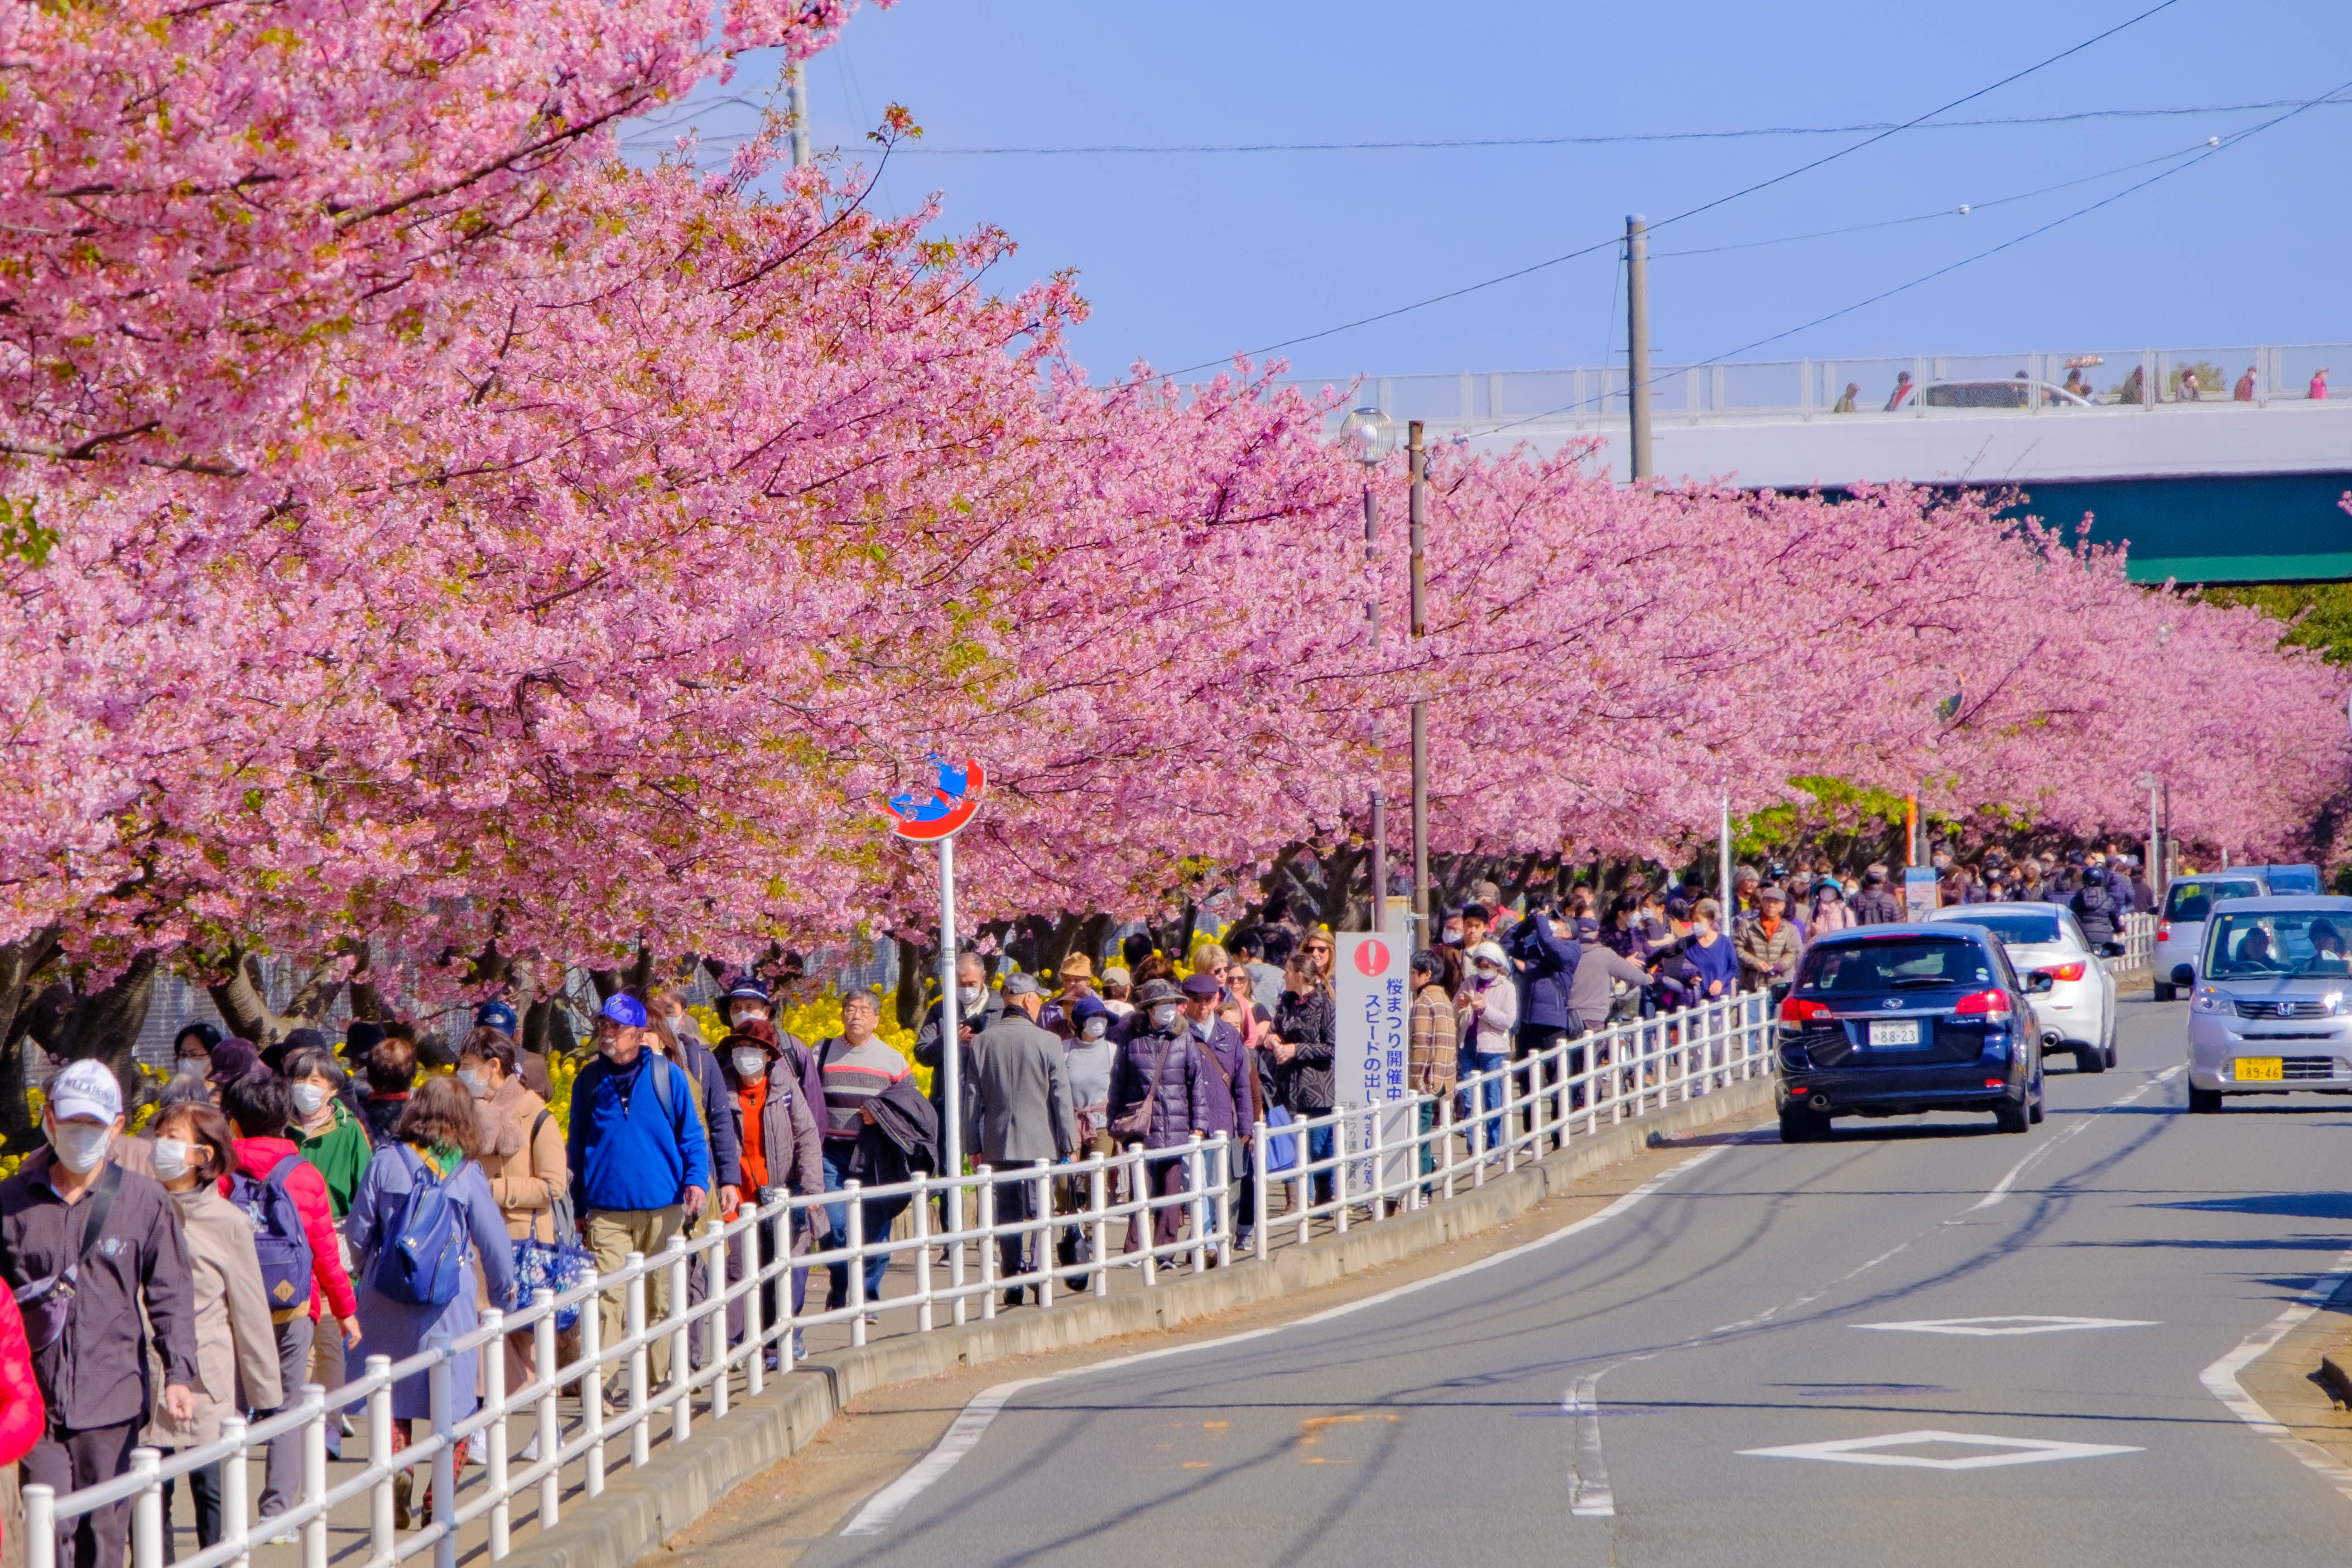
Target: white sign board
[(1374, 991)]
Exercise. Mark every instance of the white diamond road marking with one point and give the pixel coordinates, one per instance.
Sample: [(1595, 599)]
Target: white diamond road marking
[(2012, 1325), (2004, 1451)]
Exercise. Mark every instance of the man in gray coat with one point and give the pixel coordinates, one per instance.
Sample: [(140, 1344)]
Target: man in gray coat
[(1020, 1110)]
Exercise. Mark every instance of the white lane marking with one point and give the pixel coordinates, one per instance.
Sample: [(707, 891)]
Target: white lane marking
[(1770, 1313), (2003, 1451), (2016, 1324), (2221, 1379), (964, 1433), (2001, 1188), (1589, 1496)]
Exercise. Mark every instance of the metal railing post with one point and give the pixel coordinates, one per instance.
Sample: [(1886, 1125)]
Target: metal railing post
[(383, 1529), (1098, 1202), (1339, 1169), (1223, 1149), (1144, 1222), (551, 1425), (1041, 1218), (493, 1363), (681, 1356), (633, 1329), (40, 1526), (438, 1402), (955, 1244), (314, 1467), (986, 1193), (718, 1304), (1196, 1207), (592, 1389), (147, 1509), (921, 1228), (1258, 1226), (856, 1214), (237, 1503)]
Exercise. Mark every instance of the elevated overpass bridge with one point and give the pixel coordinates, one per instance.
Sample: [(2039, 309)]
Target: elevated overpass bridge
[(2206, 485)]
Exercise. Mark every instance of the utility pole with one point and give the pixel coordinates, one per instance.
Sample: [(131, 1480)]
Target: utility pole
[(1637, 342), (1380, 800), (797, 83), (1417, 458)]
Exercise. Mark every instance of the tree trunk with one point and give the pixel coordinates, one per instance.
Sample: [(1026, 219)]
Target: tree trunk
[(916, 962), (21, 965), (101, 1026)]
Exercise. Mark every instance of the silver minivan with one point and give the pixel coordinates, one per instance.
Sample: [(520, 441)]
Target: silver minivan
[(2272, 1011), (2188, 903)]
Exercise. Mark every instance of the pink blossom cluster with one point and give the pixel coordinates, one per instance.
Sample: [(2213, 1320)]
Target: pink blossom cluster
[(567, 557)]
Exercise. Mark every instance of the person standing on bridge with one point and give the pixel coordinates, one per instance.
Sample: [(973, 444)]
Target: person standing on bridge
[(2093, 903), (1902, 394), (2317, 391), (1876, 904), (1845, 405), (1159, 1099), (1020, 1112), (2244, 391)]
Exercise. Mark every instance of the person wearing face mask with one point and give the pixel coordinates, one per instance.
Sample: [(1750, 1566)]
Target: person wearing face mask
[(260, 1108), (1021, 1114), (333, 1140), (1714, 967), (783, 1152), (747, 1000), (192, 1049), (95, 1254), (978, 1010), (1159, 1077), (521, 1152), (1235, 1101), (236, 1346), (1490, 1008), (1087, 1058), (529, 1066), (1769, 947)]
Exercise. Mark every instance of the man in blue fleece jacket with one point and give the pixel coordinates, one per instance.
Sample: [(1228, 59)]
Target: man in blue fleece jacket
[(640, 1159)]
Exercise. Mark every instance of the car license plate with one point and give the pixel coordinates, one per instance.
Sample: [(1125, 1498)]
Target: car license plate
[(2261, 1069), (1895, 1032)]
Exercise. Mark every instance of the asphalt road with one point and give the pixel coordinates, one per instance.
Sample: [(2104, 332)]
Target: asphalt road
[(1599, 1397)]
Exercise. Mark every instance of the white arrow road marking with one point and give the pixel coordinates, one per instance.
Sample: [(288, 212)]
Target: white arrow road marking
[(2221, 1379), (1990, 1327), (2002, 1451), (963, 1435)]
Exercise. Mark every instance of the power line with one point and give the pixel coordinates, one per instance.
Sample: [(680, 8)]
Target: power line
[(1748, 190), (2218, 145)]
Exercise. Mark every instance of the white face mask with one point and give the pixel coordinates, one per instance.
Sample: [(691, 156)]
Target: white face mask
[(747, 1012), (1093, 1029), (474, 1083), (80, 1145), (751, 1064), (1164, 1015), (171, 1158), (309, 1096), (969, 996)]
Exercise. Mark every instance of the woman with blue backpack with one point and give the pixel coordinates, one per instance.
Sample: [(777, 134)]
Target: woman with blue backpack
[(424, 1226)]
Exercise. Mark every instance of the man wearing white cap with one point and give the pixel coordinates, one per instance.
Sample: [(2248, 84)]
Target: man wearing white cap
[(86, 1244)]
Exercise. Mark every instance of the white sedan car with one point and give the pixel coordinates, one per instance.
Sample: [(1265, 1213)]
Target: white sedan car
[(2077, 1013)]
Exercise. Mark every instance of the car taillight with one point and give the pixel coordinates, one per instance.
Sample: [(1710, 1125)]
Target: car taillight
[(2063, 971), (2164, 931), (1984, 1004), (1801, 1011)]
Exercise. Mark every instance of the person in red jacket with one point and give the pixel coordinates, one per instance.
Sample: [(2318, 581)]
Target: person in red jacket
[(23, 1417), (260, 1107)]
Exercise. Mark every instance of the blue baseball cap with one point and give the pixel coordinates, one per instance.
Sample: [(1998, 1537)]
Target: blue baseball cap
[(624, 1010), (496, 1015)]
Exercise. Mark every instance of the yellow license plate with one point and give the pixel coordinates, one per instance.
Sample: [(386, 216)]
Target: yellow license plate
[(2261, 1069)]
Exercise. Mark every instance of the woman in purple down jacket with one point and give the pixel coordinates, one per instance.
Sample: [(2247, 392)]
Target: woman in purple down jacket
[(1159, 1041)]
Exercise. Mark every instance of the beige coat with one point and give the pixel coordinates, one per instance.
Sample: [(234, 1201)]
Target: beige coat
[(526, 1167), (234, 1339)]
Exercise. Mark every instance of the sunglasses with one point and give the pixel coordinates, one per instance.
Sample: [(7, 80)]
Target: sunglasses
[(1318, 948)]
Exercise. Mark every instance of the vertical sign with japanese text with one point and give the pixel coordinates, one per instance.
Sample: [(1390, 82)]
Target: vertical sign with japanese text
[(1374, 995)]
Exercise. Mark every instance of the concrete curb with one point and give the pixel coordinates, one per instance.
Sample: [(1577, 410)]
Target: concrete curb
[(642, 1508)]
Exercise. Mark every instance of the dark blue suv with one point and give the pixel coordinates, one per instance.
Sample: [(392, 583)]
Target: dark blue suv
[(1899, 1019)]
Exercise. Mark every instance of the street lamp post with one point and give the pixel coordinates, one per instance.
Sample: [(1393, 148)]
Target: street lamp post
[(1417, 459), (1370, 435)]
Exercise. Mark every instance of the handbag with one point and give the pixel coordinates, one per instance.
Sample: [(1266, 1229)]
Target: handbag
[(555, 1266), (1281, 1148), (1136, 1124)]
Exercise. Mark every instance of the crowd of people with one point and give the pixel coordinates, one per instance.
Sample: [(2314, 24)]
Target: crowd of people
[(290, 1205)]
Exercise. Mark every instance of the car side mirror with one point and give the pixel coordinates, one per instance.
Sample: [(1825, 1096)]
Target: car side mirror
[(2111, 950), (2038, 983), (2182, 974)]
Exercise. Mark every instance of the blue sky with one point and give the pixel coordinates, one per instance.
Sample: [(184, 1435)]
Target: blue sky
[(1189, 257)]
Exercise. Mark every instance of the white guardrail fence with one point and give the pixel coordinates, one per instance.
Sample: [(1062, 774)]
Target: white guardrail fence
[(1377, 1166)]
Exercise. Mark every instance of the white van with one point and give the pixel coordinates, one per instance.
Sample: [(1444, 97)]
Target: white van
[(2180, 928)]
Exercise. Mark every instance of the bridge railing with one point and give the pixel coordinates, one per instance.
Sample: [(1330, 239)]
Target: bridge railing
[(1474, 403), (1193, 1206)]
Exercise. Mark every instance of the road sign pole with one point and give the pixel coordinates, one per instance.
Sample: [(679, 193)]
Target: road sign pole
[(951, 1021)]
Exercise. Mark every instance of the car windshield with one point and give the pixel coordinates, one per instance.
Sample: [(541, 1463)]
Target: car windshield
[(2023, 930), (2292, 879), (2278, 942), (1899, 964), (2191, 900)]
